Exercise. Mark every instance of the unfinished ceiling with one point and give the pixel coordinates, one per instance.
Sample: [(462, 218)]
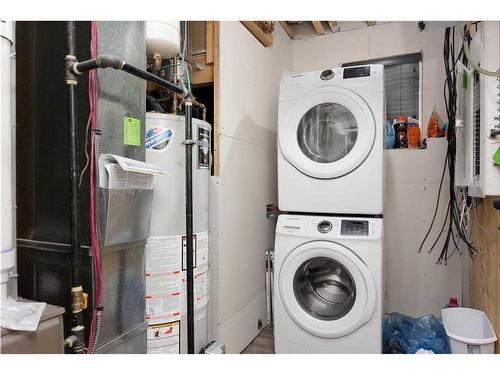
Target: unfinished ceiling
[(263, 30)]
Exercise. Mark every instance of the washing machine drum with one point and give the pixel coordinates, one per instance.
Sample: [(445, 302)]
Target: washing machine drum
[(326, 289), (328, 133)]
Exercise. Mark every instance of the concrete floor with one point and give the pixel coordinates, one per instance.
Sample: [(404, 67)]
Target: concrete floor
[(263, 343)]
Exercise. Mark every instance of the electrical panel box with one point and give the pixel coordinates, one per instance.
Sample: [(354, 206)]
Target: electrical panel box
[(463, 126), (478, 116)]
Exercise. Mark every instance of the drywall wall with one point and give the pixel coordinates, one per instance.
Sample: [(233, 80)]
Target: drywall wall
[(485, 269), (414, 284), (240, 233)]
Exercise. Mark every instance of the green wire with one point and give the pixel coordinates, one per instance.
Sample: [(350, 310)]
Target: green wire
[(184, 65)]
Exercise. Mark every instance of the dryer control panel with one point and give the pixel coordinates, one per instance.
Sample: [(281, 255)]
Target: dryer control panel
[(356, 72), (330, 227)]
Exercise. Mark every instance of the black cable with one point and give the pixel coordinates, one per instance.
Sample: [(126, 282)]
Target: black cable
[(453, 212), (440, 231), (437, 205)]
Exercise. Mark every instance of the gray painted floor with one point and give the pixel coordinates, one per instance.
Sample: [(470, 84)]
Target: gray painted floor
[(263, 343)]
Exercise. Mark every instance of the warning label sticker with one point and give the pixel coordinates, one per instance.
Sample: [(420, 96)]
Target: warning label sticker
[(201, 289), (165, 277), (163, 254), (158, 139), (164, 338)]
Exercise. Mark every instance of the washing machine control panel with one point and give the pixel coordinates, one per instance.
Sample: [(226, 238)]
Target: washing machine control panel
[(330, 227), (354, 228)]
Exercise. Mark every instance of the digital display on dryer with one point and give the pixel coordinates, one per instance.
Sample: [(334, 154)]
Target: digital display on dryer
[(358, 71), (354, 228)]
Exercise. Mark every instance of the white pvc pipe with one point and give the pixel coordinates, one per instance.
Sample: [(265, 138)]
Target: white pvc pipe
[(7, 247)]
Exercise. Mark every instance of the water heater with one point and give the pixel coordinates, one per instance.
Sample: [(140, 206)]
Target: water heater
[(165, 248)]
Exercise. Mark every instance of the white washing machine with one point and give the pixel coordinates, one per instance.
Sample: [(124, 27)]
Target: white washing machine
[(328, 285), (331, 140)]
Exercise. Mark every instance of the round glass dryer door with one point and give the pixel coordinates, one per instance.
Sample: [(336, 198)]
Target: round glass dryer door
[(327, 134), (327, 289)]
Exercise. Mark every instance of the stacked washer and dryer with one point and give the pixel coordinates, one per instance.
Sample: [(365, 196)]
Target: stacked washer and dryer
[(328, 286)]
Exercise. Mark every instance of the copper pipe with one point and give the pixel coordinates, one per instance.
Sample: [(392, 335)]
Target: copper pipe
[(203, 109)]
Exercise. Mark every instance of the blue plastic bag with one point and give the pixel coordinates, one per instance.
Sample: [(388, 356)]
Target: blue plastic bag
[(406, 335)]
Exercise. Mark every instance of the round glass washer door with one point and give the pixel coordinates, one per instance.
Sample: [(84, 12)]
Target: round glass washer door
[(328, 133), (326, 289)]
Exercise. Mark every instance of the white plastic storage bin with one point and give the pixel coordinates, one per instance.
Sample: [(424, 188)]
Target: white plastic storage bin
[(470, 331)]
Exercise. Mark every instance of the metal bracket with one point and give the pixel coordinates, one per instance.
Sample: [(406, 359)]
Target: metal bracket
[(189, 142)]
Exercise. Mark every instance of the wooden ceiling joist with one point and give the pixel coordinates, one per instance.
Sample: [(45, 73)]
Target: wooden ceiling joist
[(318, 27), (334, 26), (266, 38), (287, 29)]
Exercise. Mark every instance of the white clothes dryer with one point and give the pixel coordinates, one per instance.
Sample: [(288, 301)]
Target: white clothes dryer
[(331, 137)]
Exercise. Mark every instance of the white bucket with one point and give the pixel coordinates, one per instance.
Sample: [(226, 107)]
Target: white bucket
[(470, 331)]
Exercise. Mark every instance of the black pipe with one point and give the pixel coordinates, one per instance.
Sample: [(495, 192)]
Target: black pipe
[(76, 263), (189, 225), (109, 61), (135, 71), (103, 61)]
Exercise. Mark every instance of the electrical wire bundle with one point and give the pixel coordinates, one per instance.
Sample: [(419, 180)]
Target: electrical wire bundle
[(94, 224), (457, 220)]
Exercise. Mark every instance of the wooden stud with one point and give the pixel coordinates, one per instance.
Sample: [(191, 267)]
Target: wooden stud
[(265, 38), (484, 288), (333, 25), (209, 41), (215, 128), (204, 76), (287, 29), (197, 41), (318, 27), (371, 23)]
